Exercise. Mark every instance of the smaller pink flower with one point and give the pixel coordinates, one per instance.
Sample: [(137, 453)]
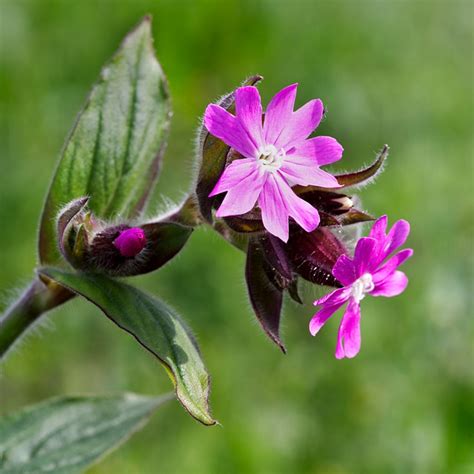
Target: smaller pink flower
[(277, 155), (369, 272), (130, 242)]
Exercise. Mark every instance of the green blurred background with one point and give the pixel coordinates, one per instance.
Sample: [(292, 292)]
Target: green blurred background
[(396, 72)]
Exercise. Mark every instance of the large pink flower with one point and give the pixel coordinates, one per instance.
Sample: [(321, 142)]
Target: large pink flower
[(367, 273), (277, 154)]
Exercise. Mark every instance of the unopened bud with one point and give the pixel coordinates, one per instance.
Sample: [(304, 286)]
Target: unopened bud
[(314, 254), (92, 245), (130, 242), (345, 202)]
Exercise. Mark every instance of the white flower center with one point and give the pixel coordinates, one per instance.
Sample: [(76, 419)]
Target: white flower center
[(362, 286), (270, 158)]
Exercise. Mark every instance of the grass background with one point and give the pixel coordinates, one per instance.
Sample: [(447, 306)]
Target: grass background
[(389, 71)]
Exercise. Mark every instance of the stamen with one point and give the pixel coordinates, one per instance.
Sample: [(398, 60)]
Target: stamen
[(362, 286), (271, 158)]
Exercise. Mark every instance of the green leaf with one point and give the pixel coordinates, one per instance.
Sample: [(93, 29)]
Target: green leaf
[(65, 435), (114, 150), (155, 326)]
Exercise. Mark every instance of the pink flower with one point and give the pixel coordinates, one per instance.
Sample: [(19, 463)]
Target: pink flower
[(367, 273), (130, 242), (276, 155)]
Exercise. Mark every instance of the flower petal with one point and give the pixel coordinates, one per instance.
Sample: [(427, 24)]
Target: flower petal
[(278, 113), (278, 201), (348, 338), (321, 150), (234, 174), (302, 123), (391, 265), (274, 211), (320, 318), (378, 229), (301, 211), (242, 197), (338, 296), (344, 270), (397, 236), (307, 175), (365, 257), (393, 285), (227, 128), (248, 109)]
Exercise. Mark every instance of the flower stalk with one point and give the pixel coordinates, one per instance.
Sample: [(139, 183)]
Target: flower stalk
[(37, 299)]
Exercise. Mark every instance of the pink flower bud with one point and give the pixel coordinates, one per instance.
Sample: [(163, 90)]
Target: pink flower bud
[(130, 242)]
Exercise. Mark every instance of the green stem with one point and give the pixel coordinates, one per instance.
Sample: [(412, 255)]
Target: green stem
[(188, 214), (37, 299)]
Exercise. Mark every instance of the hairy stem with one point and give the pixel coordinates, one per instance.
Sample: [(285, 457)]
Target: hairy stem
[(37, 299), (188, 214)]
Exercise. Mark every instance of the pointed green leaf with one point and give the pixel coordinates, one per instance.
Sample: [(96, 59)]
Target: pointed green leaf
[(114, 150), (155, 326), (65, 435)]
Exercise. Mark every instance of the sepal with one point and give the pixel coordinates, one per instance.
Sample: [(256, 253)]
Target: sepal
[(72, 232), (335, 209), (314, 254), (114, 151), (365, 175), (265, 296), (213, 155), (89, 244)]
